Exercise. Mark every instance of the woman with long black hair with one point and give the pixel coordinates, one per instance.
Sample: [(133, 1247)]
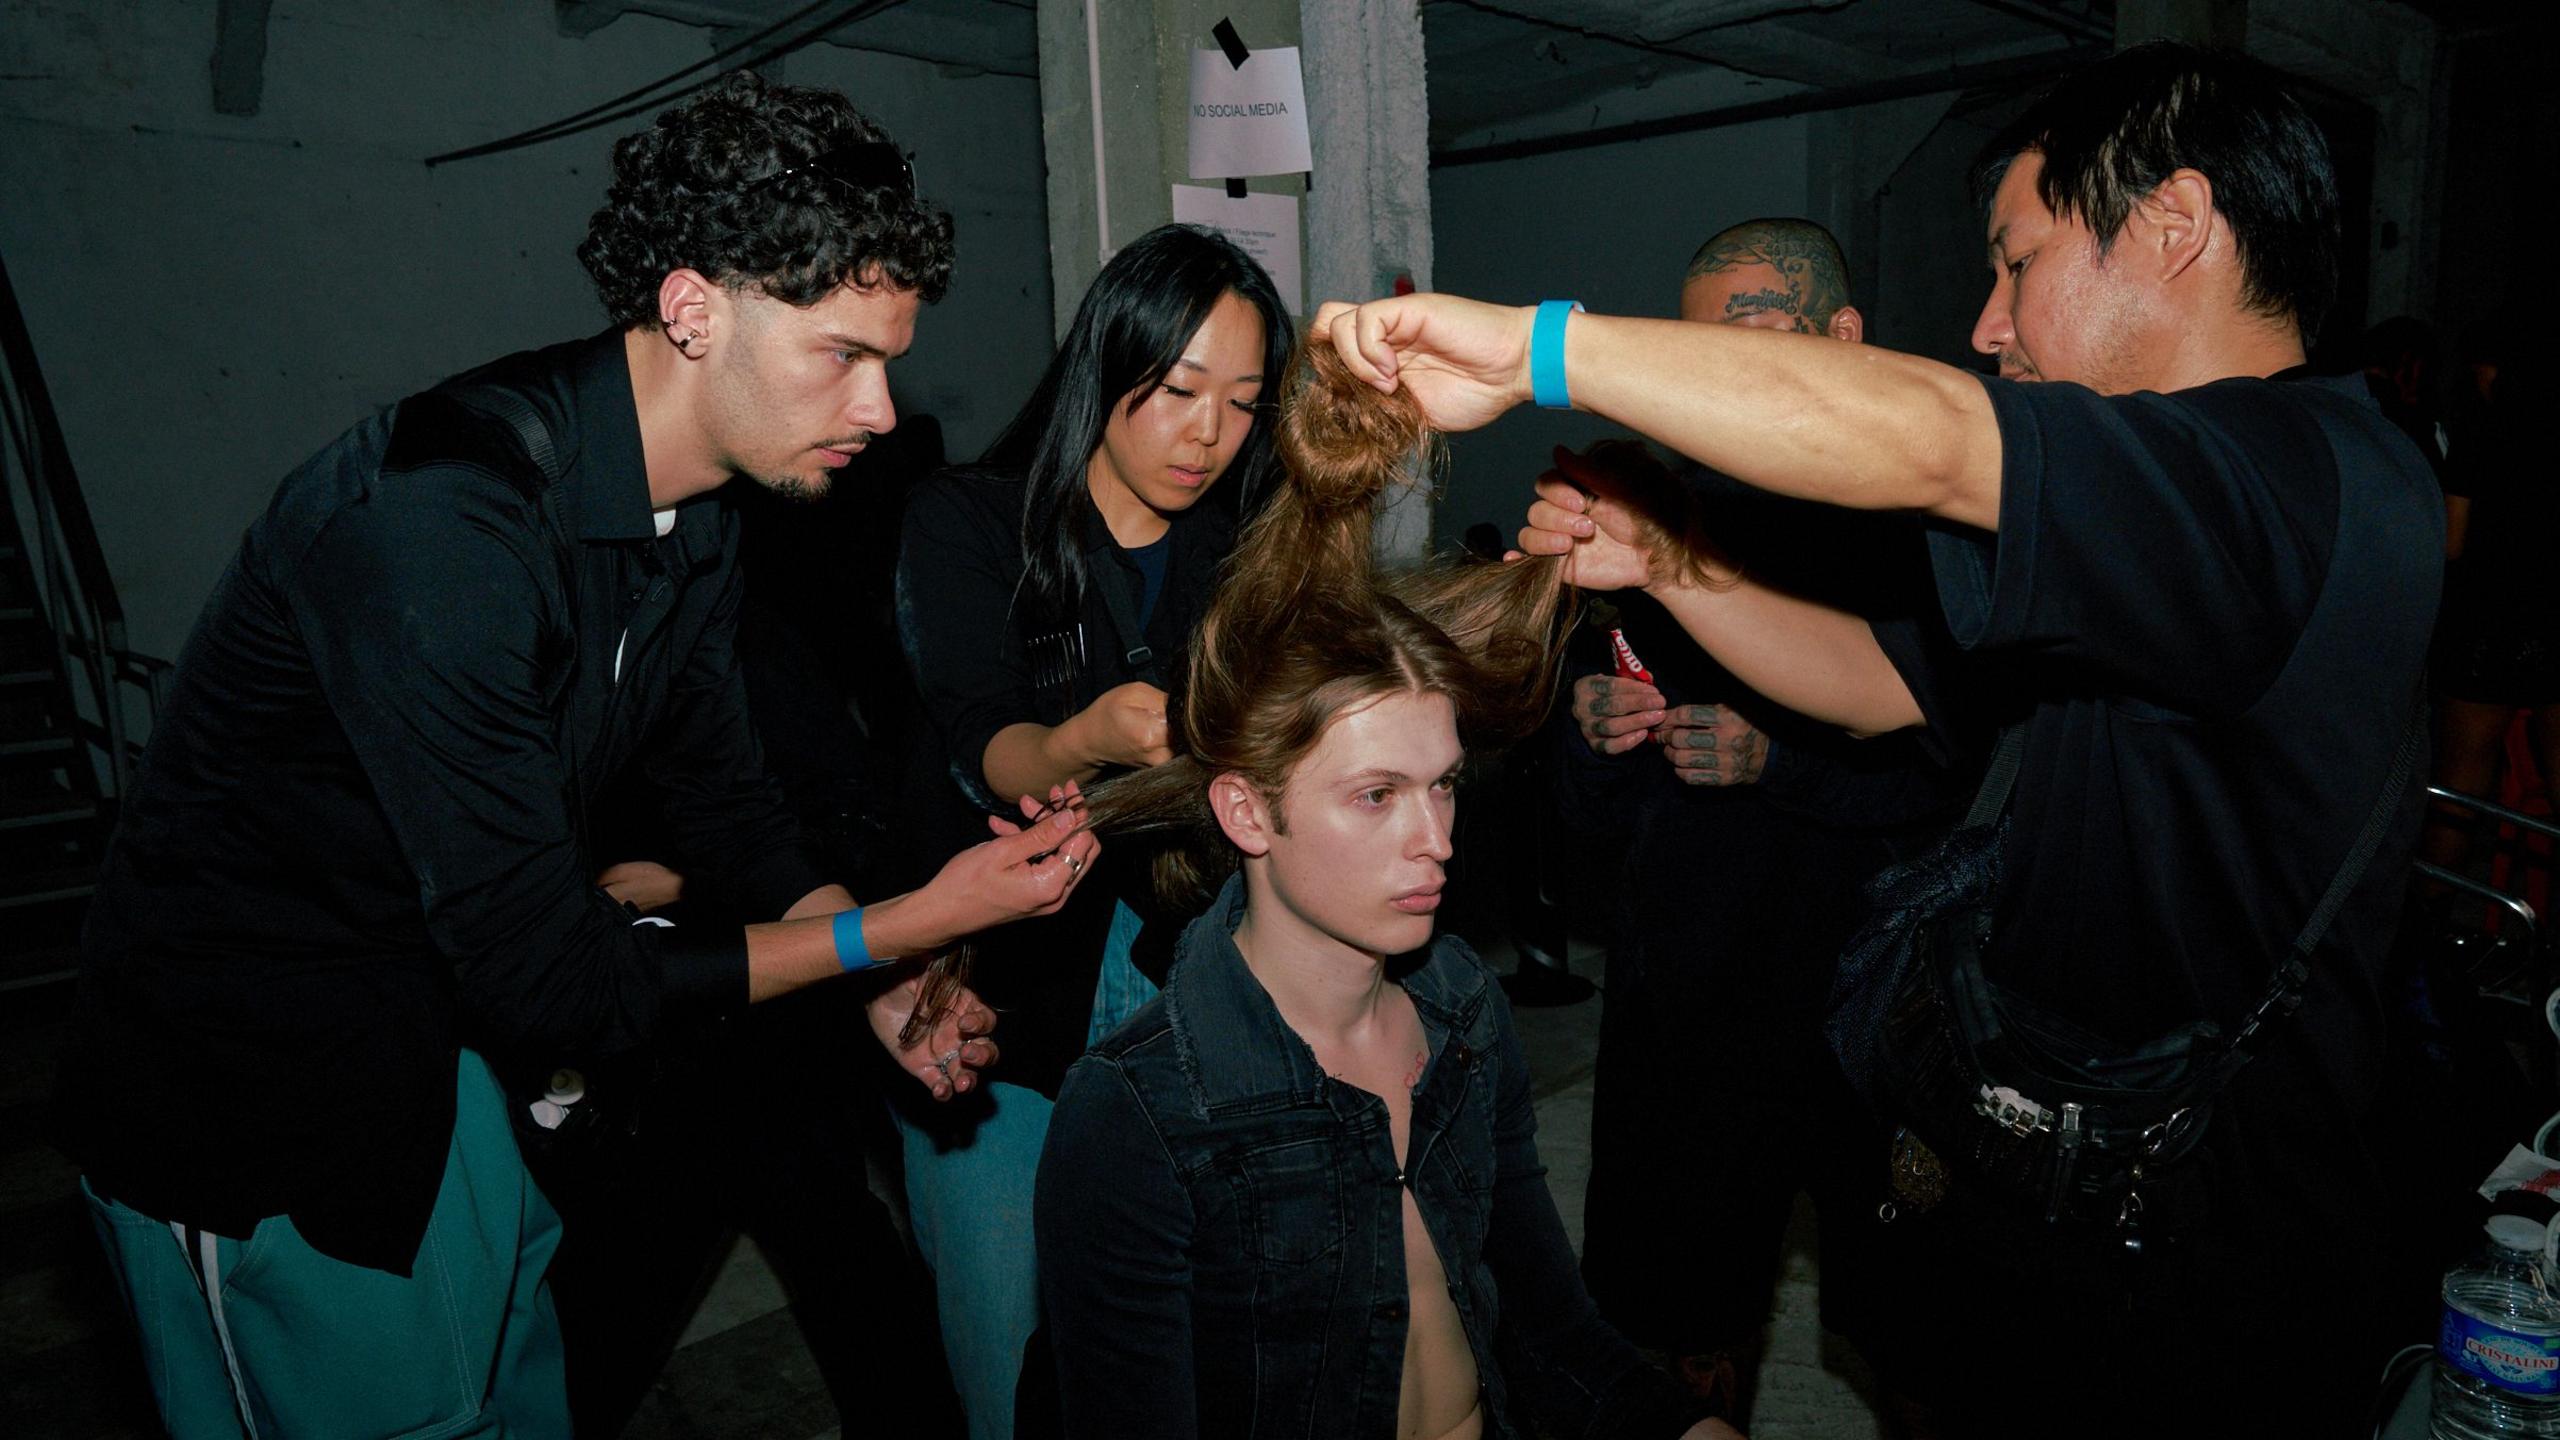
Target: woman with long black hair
[(1046, 600)]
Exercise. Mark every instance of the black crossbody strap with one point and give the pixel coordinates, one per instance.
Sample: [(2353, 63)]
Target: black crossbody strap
[(1998, 777), (2293, 971), (2002, 776), (1124, 618), (513, 408), (2368, 840)]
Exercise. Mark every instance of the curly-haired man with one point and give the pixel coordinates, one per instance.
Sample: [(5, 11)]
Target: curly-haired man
[(353, 886)]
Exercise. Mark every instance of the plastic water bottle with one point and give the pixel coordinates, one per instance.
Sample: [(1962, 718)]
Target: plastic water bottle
[(2498, 1355)]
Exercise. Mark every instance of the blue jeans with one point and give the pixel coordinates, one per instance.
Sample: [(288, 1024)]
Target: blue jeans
[(969, 1201), (466, 1344)]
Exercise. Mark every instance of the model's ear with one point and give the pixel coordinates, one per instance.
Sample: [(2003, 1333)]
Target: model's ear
[(1243, 812), (1847, 324), (690, 311), (2177, 220)]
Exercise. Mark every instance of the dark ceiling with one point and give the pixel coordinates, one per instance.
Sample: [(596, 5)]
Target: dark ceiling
[(1504, 74)]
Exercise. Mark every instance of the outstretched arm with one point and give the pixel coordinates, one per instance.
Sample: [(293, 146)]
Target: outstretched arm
[(1815, 660), (1799, 415)]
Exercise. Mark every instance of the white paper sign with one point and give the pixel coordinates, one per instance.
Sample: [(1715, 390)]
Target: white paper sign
[(1249, 119), (1264, 226)]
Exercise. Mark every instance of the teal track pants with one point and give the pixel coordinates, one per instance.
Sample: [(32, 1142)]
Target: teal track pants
[(268, 1338)]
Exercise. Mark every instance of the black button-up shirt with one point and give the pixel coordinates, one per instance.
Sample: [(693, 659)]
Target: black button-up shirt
[(359, 836)]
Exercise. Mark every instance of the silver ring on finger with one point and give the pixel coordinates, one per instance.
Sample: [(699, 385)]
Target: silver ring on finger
[(1074, 865)]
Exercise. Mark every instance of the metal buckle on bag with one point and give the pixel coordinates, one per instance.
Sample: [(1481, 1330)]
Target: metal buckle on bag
[(2155, 1138), (2066, 1164), (1915, 1177), (2002, 1105)]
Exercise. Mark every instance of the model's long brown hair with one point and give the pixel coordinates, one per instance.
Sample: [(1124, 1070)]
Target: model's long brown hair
[(1306, 624)]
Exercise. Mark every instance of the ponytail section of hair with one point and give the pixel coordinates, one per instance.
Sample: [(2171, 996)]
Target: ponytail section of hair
[(1345, 444), (1306, 625)]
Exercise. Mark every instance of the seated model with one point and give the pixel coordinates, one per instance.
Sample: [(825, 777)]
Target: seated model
[(1299, 1193)]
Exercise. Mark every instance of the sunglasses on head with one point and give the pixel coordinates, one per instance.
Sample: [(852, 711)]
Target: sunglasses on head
[(856, 165)]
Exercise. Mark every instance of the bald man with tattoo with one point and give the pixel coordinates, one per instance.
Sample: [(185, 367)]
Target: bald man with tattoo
[(1748, 832), (1765, 275)]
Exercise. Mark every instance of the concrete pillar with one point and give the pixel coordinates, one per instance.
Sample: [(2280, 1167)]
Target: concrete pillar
[(1369, 216), (2387, 58), (2410, 127), (1366, 221), (1113, 181)]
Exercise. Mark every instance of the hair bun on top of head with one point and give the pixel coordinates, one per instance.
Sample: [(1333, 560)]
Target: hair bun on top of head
[(1343, 440), (1345, 443), (1341, 444)]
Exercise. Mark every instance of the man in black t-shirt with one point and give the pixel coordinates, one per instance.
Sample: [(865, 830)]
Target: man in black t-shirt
[(2203, 583)]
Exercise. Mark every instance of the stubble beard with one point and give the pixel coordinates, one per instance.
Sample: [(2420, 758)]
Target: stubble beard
[(799, 488), (738, 403)]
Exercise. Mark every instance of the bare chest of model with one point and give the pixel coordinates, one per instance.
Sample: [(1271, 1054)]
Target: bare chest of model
[(1441, 1398)]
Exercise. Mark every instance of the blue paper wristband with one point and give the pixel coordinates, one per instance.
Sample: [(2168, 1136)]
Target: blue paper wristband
[(851, 953), (1546, 354)]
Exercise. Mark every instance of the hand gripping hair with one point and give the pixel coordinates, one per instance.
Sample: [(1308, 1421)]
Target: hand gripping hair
[(1307, 624)]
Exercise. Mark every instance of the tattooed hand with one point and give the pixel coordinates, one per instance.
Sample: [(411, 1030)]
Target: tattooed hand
[(1615, 714), (1713, 745)]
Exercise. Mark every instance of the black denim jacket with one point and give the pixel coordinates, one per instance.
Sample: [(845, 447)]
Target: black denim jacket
[(1221, 1231)]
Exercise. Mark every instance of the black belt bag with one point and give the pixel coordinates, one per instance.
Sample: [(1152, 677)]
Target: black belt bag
[(2014, 1101)]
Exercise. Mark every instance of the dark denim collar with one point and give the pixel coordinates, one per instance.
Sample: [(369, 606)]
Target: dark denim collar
[(1234, 1046)]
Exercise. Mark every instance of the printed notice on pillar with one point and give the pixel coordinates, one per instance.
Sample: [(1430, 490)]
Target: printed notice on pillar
[(1264, 226), (1248, 119)]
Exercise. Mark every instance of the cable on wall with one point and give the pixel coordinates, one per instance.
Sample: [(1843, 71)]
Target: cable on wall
[(635, 102)]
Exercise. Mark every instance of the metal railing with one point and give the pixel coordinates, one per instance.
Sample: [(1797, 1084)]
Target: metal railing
[(74, 591), (2515, 905)]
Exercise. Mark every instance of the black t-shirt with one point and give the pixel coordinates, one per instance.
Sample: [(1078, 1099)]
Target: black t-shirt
[(2211, 609), (1150, 559)]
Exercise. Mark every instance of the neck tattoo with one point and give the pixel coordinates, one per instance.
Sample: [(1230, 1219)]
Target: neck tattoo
[(1412, 1077)]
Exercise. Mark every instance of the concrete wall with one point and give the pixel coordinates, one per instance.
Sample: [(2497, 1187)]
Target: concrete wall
[(2431, 232), (213, 297), (1613, 227), (1933, 273), (1144, 86)]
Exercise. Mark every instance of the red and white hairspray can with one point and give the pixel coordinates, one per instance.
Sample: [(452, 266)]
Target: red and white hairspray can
[(1628, 666)]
